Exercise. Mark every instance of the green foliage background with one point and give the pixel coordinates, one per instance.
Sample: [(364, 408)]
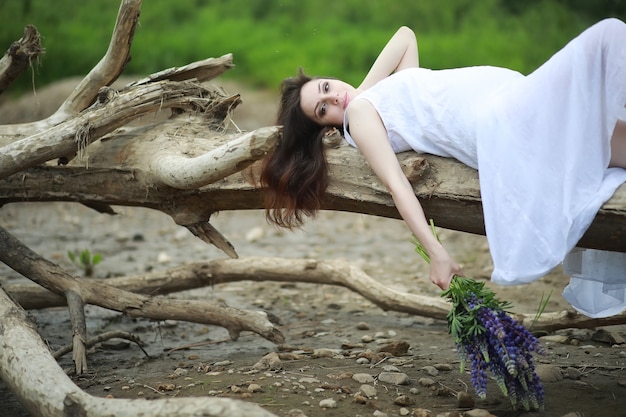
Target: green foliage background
[(270, 39)]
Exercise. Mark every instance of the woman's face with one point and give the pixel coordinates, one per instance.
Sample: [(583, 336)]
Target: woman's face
[(324, 100)]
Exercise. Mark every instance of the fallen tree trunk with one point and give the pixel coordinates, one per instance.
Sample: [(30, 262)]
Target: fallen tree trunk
[(309, 271), (25, 358), (448, 190)]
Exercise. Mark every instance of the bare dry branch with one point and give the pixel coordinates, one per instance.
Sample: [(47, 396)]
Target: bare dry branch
[(20, 55)]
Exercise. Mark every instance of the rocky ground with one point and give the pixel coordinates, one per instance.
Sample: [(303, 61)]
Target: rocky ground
[(335, 360)]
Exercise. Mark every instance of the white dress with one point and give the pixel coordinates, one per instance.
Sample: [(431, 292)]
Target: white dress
[(541, 144)]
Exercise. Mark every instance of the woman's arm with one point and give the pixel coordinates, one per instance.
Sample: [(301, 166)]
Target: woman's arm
[(367, 130), (399, 53)]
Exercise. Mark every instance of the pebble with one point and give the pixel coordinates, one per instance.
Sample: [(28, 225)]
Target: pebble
[(363, 378), (309, 380), (328, 403), (414, 391), (362, 361), (255, 234), (362, 326), (478, 412), (464, 400), (180, 372), (390, 368), (395, 378), (366, 338), (252, 388), (325, 353), (396, 348), (422, 412), (548, 373), (443, 366), (403, 400), (222, 363), (426, 382), (404, 411), (379, 413), (430, 370), (368, 391), (295, 412)]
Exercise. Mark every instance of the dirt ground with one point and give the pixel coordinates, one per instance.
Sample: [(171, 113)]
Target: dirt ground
[(328, 330)]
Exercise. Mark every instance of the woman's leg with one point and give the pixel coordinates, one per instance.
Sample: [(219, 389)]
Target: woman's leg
[(618, 145)]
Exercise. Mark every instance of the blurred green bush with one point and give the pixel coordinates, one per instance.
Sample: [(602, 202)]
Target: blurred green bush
[(270, 39)]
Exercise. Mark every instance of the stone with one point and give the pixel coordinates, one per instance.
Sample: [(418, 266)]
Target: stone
[(548, 373), (308, 380), (295, 412), (328, 403), (362, 326), (422, 412), (464, 400), (478, 412), (368, 390), (269, 362), (379, 413), (430, 370), (403, 401), (443, 367), (252, 388), (426, 382), (395, 378), (363, 378), (395, 348)]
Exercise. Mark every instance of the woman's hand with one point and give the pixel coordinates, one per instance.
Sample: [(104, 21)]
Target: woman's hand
[(443, 268)]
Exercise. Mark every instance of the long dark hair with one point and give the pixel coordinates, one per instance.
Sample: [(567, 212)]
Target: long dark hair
[(296, 173)]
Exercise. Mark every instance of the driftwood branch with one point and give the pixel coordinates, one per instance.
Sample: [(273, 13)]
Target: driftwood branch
[(329, 272), (49, 275), (24, 358), (20, 55), (112, 63)]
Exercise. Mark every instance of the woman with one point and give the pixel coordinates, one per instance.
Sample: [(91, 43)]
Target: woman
[(550, 147)]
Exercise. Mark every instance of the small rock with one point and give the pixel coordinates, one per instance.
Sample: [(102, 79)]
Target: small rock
[(443, 367), (360, 398), (605, 336), (366, 338), (325, 353), (328, 322), (426, 382), (362, 361), (309, 380), (362, 326), (255, 234), (379, 413), (431, 370), (414, 391), (422, 412), (395, 348), (464, 400), (478, 412), (404, 411), (180, 372), (390, 368), (395, 378), (222, 363), (554, 338), (363, 378), (163, 258), (573, 415), (368, 391), (328, 403), (295, 412), (548, 373), (252, 388), (622, 382), (572, 373), (235, 389), (269, 362), (403, 401)]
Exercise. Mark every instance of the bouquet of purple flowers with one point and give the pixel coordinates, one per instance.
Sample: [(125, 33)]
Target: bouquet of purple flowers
[(489, 339)]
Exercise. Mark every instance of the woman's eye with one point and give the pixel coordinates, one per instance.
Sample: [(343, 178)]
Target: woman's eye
[(326, 87), (323, 110)]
